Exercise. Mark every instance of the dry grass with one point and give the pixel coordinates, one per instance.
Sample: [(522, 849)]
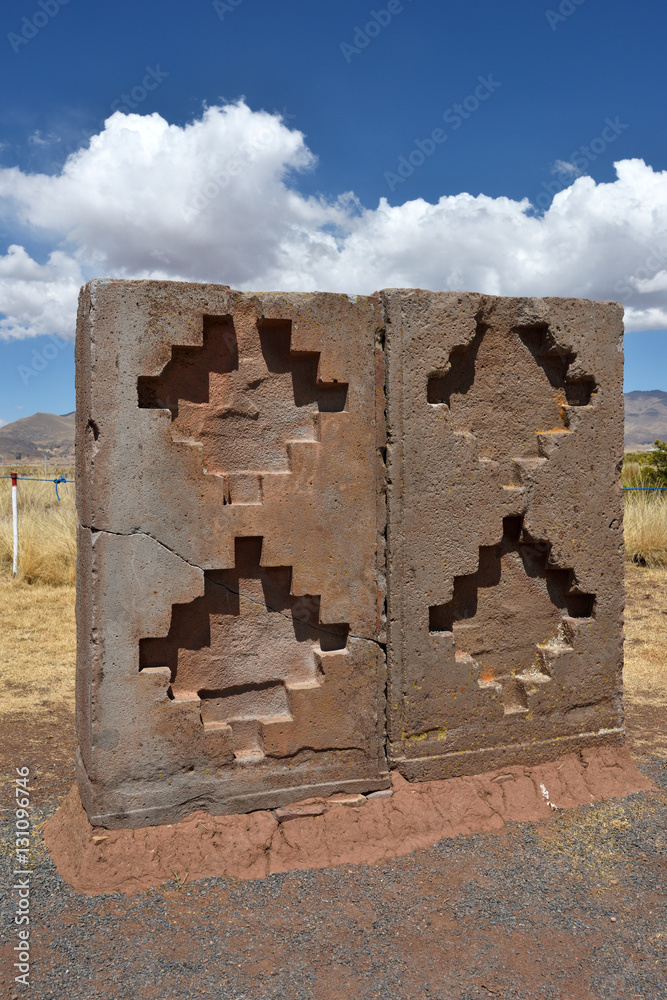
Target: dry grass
[(645, 675), (632, 474), (646, 528), (38, 649), (47, 528), (645, 516)]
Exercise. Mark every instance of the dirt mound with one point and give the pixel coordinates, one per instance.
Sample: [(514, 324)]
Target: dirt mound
[(321, 833)]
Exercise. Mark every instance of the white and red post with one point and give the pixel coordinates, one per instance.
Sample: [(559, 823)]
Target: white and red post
[(15, 519)]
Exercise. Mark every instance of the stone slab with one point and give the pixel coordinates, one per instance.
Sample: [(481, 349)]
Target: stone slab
[(505, 563), (231, 510), (271, 487)]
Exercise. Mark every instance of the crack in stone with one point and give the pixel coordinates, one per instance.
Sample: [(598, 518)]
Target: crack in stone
[(236, 593)]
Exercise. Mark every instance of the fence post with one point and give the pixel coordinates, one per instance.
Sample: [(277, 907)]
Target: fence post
[(15, 518)]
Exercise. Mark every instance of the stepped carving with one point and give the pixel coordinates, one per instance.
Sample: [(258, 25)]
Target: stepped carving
[(512, 619), (244, 397), (242, 648), (485, 377)]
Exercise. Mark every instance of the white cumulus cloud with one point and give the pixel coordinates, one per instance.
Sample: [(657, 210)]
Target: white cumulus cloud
[(218, 200), (38, 298)]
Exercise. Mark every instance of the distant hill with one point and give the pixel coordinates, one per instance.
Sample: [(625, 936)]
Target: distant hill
[(31, 438), (645, 419)]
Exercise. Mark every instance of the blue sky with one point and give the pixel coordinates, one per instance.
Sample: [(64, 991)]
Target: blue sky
[(564, 90)]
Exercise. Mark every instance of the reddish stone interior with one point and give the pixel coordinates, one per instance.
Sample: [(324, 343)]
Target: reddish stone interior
[(241, 646), (186, 376)]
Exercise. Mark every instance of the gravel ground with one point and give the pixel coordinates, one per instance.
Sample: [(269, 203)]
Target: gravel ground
[(570, 909)]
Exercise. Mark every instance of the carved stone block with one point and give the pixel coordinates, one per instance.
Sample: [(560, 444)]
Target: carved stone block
[(505, 568), (229, 635), (266, 480)]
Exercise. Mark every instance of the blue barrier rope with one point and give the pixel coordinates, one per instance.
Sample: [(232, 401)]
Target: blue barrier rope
[(626, 488), (32, 479)]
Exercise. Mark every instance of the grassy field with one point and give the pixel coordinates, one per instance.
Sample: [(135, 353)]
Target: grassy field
[(37, 655), (47, 527), (645, 515), (646, 528), (645, 660), (646, 635)]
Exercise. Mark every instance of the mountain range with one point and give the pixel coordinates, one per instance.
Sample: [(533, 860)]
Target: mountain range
[(31, 439), (46, 434), (645, 419)]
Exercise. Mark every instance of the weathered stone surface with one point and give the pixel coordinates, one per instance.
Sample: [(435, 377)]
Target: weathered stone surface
[(259, 474), (505, 529), (228, 600)]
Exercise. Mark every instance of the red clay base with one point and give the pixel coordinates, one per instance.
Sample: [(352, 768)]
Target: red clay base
[(320, 833)]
